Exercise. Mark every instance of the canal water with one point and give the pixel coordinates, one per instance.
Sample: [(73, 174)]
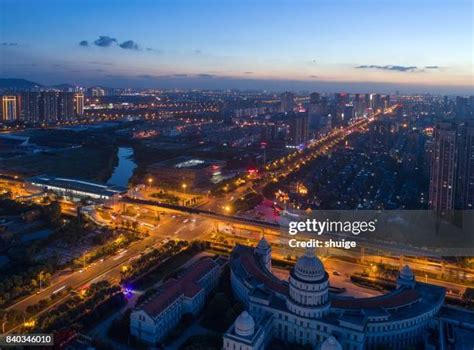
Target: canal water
[(124, 169)]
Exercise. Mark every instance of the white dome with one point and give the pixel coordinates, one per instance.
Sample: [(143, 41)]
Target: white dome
[(406, 273), (309, 267), (244, 325), (331, 344)]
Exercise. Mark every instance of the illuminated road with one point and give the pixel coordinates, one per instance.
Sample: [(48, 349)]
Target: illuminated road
[(190, 227), (346, 268), (109, 268), (281, 168)]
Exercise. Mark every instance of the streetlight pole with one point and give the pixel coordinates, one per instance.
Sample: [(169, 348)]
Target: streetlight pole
[(184, 192), (41, 280)]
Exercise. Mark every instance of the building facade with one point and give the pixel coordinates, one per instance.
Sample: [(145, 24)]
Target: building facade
[(443, 169), (185, 171), (299, 128), (10, 108), (151, 321), (303, 311), (287, 102), (74, 189), (79, 103)]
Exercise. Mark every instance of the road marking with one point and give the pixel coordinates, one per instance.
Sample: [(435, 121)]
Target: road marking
[(59, 289)]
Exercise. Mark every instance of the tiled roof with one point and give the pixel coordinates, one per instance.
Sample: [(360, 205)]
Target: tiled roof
[(186, 286), (388, 301), (254, 269)]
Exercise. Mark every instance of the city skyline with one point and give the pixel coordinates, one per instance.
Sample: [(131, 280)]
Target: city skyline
[(349, 46)]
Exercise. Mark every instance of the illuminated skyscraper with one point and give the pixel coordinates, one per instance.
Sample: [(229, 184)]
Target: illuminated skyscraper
[(465, 171), (30, 106), (49, 106), (299, 128), (66, 105), (10, 108), (443, 169), (368, 100), (79, 103), (97, 91)]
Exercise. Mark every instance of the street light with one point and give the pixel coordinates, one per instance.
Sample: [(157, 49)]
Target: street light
[(184, 187), (150, 181), (41, 280)]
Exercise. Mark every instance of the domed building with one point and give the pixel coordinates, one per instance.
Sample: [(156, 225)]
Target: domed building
[(331, 343), (302, 310), (244, 325), (406, 278), (245, 335), (264, 252), (308, 287)]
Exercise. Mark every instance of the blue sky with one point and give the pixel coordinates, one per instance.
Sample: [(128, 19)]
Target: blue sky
[(352, 44)]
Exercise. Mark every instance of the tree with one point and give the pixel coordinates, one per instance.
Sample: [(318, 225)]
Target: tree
[(468, 294), (218, 307), (53, 212)]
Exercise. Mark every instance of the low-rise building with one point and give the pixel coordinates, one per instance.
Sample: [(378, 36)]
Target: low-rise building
[(152, 320), (187, 172), (74, 189)]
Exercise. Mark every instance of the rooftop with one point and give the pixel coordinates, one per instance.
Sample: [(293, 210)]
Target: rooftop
[(77, 185), (184, 162), (187, 285), (251, 269)]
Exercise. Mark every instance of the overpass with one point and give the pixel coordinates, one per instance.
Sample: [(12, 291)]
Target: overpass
[(364, 244), (204, 213)]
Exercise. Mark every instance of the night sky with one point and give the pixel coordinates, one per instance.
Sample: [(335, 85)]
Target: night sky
[(358, 45)]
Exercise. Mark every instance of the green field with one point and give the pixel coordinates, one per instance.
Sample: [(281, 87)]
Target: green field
[(92, 163)]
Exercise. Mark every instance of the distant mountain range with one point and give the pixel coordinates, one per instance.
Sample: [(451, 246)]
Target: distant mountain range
[(15, 83)]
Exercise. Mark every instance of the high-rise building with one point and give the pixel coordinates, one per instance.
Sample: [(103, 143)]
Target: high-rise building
[(10, 108), (97, 92), (269, 132), (299, 128), (287, 102), (66, 105), (347, 114), (368, 100), (359, 106), (79, 103), (314, 98), (377, 102), (341, 99), (48, 106), (30, 106), (465, 171), (462, 107), (443, 169)]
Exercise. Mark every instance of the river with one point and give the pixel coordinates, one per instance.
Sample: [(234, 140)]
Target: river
[(124, 170)]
